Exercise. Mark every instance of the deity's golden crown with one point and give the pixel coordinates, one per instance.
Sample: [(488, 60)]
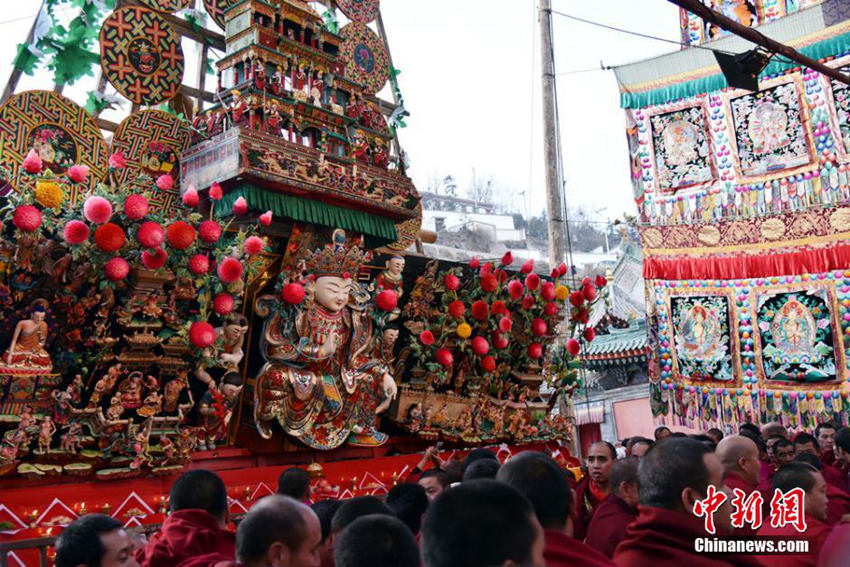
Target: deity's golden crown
[(342, 256)]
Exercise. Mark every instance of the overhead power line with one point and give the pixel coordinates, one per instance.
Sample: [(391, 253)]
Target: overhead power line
[(634, 33)]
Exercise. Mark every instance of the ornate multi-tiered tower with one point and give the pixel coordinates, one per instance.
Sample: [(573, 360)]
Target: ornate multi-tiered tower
[(297, 128)]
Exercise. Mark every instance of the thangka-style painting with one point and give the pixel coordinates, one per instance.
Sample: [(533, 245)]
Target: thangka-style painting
[(769, 130), (681, 149), (702, 337), (796, 336), (841, 94)]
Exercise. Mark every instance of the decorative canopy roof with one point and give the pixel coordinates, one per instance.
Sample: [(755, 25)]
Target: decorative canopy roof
[(619, 346)]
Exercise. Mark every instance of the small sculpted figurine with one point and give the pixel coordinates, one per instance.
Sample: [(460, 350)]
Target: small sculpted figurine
[(391, 276), (227, 352), (27, 349), (323, 380), (216, 409)]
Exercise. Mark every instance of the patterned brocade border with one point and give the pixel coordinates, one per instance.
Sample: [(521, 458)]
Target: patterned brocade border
[(789, 230)]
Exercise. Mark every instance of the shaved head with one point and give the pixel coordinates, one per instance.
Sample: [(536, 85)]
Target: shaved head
[(740, 455), (773, 428)]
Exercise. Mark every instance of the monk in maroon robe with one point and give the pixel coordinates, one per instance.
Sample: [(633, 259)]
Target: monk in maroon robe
[(594, 488), (611, 519), (197, 524), (836, 548), (806, 443), (825, 434), (804, 476), (673, 476), (539, 478)]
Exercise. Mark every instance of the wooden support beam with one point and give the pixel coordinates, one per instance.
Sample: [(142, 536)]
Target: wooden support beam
[(699, 9)]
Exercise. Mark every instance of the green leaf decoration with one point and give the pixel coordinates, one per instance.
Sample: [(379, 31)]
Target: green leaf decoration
[(72, 62), (331, 23), (26, 60)]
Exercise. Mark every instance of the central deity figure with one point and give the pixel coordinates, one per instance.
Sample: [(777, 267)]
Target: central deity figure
[(324, 380)]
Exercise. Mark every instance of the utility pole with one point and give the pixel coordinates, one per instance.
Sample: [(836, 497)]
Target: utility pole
[(554, 187), (699, 9)]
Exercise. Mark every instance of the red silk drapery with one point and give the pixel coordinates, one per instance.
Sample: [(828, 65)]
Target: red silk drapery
[(767, 264)]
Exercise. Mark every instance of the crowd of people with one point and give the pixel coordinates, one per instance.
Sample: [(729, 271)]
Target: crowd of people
[(635, 507)]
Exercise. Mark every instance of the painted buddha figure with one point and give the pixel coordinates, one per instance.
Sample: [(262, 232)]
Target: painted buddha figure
[(26, 352), (322, 381)]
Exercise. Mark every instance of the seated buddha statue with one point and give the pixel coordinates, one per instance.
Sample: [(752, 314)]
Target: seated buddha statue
[(26, 352)]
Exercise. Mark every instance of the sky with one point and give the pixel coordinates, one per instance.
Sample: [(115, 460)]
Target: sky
[(471, 81)]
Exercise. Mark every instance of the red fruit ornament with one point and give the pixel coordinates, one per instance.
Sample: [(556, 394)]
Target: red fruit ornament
[(457, 309), (527, 266), (500, 342), (539, 327), (582, 316), (489, 283), (97, 209), (293, 293), (240, 206), (150, 234), (452, 282), (190, 197), (154, 259), (515, 289), (551, 309), (600, 281), (488, 364), (444, 357), (589, 292), (75, 232), (547, 292), (535, 351), (480, 309), (109, 237), (165, 182), (78, 173), (387, 300), (577, 298), (532, 282), (426, 337), (223, 303), (181, 235), (505, 324), (480, 346), (117, 161), (209, 231), (202, 334), (474, 263), (589, 334), (135, 207), (265, 219), (116, 269), (229, 270), (215, 191), (507, 259), (199, 264), (573, 347), (27, 218), (253, 245), (527, 302), (33, 163)]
